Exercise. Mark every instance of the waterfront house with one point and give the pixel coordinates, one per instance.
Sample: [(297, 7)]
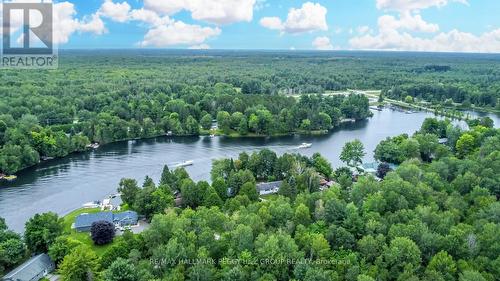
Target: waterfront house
[(325, 184), (34, 269), (371, 168), (84, 221), (443, 140), (269, 187)]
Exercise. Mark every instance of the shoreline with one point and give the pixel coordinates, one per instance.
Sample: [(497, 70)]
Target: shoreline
[(201, 134)]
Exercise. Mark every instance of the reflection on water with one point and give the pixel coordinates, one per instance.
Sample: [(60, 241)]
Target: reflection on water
[(61, 185)]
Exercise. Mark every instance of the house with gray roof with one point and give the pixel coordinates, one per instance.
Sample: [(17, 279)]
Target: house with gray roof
[(125, 218), (32, 270), (269, 187), (84, 221)]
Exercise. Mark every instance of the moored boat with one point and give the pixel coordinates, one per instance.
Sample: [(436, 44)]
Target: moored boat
[(185, 163), (10, 178), (93, 145), (304, 145)]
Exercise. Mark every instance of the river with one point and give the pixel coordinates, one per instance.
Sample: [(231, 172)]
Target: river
[(61, 185)]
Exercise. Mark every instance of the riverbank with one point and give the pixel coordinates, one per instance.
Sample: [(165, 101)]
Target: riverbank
[(84, 237), (218, 133), (454, 112), (61, 184)]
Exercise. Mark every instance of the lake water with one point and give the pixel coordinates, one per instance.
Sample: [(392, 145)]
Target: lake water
[(62, 185)]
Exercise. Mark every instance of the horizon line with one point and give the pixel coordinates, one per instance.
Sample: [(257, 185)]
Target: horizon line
[(276, 50)]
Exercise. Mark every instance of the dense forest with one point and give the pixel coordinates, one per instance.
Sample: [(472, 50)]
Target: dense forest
[(105, 96), (435, 217)]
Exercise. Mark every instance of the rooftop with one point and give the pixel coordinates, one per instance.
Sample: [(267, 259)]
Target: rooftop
[(31, 268), (269, 185), (86, 220), (123, 218)]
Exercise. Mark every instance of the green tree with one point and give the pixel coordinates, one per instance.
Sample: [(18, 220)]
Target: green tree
[(167, 178), (306, 125), (81, 264), (41, 231), (224, 121), (402, 255), (302, 215), (62, 247), (121, 270), (128, 189), (192, 127), (220, 187), (353, 153), (206, 121), (192, 195), (471, 275), (243, 126), (151, 200), (12, 252), (465, 144), (250, 190), (444, 265), (322, 165)]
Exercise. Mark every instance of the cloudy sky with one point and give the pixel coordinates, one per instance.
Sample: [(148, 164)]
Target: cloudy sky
[(412, 25)]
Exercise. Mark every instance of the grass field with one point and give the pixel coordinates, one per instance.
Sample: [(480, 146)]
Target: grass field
[(84, 237)]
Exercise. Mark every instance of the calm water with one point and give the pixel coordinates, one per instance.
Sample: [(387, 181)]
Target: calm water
[(62, 185)]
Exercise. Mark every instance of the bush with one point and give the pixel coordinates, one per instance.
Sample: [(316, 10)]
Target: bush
[(383, 169), (102, 232)]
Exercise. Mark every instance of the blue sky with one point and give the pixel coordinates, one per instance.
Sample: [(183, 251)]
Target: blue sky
[(414, 25)]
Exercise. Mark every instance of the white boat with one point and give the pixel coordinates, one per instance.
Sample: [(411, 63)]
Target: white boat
[(185, 163), (212, 136), (91, 205), (94, 145), (304, 145)]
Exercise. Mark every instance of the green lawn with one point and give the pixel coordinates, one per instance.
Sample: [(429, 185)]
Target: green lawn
[(84, 237)]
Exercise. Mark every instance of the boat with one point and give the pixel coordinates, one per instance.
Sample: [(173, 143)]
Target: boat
[(93, 145), (91, 205), (212, 136), (46, 158), (185, 163), (304, 145), (10, 178)]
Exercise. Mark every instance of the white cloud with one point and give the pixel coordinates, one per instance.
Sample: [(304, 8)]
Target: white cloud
[(178, 33), (149, 17), (453, 41), (163, 30), (213, 11), (310, 17), (116, 11), (413, 5), (396, 33), (363, 29), (168, 7), (65, 21), (92, 24), (200, 47), (406, 21), (272, 23), (322, 43)]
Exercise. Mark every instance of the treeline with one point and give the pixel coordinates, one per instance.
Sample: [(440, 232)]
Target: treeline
[(435, 139), (128, 116), (107, 96), (430, 219), (464, 94)]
